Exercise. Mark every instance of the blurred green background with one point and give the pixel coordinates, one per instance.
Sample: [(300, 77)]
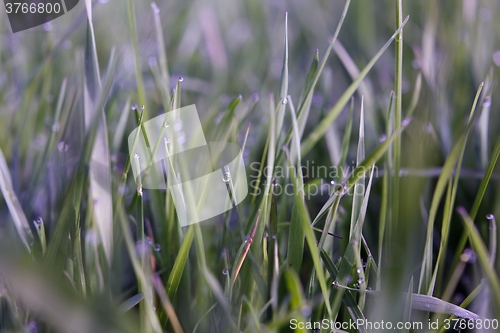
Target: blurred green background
[(224, 49)]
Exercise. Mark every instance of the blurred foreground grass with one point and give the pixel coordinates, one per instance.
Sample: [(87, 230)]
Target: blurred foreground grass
[(83, 250)]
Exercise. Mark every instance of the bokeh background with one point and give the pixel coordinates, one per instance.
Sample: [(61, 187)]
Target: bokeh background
[(224, 49)]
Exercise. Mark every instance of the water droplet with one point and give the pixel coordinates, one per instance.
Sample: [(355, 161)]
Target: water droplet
[(332, 182), (157, 247), (359, 270), (249, 239), (266, 235), (167, 141), (136, 157), (134, 107), (284, 101), (149, 240), (55, 127), (180, 79), (166, 124), (38, 222), (342, 188), (361, 281), (226, 177), (490, 217), (225, 271), (335, 283)]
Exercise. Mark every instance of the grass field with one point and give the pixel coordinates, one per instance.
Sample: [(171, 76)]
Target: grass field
[(370, 142)]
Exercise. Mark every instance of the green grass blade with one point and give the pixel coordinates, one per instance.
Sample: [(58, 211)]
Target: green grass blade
[(135, 45), (359, 186), (280, 115), (425, 282), (162, 55), (303, 111), (15, 209), (486, 179), (296, 234), (323, 125), (306, 104), (305, 220), (362, 168), (180, 263), (120, 128), (347, 298), (347, 136), (482, 254), (99, 164)]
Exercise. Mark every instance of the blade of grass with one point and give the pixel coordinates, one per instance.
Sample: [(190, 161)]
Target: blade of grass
[(162, 55), (362, 168), (398, 97), (16, 211), (305, 220), (448, 211), (138, 72), (347, 137), (167, 305), (482, 254), (321, 128), (486, 179), (144, 284), (296, 233), (242, 253), (280, 115), (409, 300), (425, 282), (179, 264), (120, 128), (130, 303), (347, 298), (305, 104), (99, 168), (359, 186)]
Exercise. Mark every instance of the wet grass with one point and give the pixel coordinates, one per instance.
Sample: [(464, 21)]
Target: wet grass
[(399, 110)]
